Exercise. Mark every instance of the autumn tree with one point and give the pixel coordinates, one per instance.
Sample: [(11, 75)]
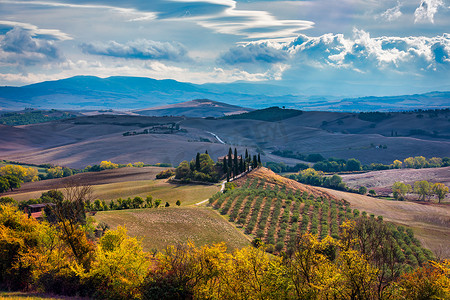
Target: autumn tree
[(19, 235), (4, 185), (24, 174), (400, 189), (431, 281), (397, 164), (120, 264), (69, 215), (422, 188), (440, 190)]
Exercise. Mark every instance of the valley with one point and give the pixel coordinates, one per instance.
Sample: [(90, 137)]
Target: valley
[(83, 140)]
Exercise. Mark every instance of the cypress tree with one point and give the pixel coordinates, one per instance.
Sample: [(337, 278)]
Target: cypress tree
[(197, 162), (259, 160), (235, 163), (225, 165), (241, 166), (255, 162), (206, 152), (230, 160)]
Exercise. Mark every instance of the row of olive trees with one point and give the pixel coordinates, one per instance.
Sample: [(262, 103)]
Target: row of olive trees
[(424, 189)]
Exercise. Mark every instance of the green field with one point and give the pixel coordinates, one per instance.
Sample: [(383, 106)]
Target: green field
[(188, 194), (160, 227)]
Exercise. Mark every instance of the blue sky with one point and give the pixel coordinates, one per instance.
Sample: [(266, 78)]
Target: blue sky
[(319, 47)]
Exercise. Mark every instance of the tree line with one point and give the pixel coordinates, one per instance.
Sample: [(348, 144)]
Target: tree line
[(203, 169), (424, 189), (332, 165)]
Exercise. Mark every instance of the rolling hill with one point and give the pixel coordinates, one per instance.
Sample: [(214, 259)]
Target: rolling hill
[(277, 210), (77, 142), (199, 108)]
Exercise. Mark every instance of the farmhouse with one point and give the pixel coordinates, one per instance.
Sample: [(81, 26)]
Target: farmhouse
[(36, 210)]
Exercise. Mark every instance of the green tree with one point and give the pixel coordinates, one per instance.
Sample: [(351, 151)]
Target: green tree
[(197, 162), (149, 201), (98, 205), (235, 163), (13, 181), (422, 188), (372, 193), (137, 202), (4, 185), (178, 203), (353, 165), (409, 162), (157, 203), (399, 190), (362, 190), (167, 204), (183, 170), (420, 162), (52, 196), (225, 165), (440, 190)]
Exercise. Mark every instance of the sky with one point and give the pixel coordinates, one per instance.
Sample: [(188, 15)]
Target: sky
[(317, 47)]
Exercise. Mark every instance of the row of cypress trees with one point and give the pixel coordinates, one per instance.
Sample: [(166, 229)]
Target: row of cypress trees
[(234, 165)]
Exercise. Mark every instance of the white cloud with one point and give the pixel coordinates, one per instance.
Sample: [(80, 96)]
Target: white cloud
[(139, 49), (393, 13), (426, 11), (19, 48), (133, 14), (252, 24), (364, 53), (34, 30), (264, 52)]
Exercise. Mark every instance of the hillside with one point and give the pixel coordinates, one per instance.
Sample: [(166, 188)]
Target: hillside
[(80, 141), (161, 227), (199, 108), (430, 223), (277, 210), (382, 181)]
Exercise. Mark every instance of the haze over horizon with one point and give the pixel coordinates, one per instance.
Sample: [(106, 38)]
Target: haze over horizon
[(326, 47)]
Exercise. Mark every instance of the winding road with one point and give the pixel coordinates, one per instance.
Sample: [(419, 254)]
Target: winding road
[(217, 137)]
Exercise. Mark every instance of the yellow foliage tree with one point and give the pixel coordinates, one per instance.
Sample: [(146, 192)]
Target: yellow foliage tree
[(121, 263), (440, 190), (23, 173), (429, 282), (108, 165), (397, 164)]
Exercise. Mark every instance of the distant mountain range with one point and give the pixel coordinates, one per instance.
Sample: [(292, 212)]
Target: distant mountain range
[(138, 93)]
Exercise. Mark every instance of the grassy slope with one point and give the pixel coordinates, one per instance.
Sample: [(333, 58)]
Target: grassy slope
[(167, 226), (430, 223), (161, 189)]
